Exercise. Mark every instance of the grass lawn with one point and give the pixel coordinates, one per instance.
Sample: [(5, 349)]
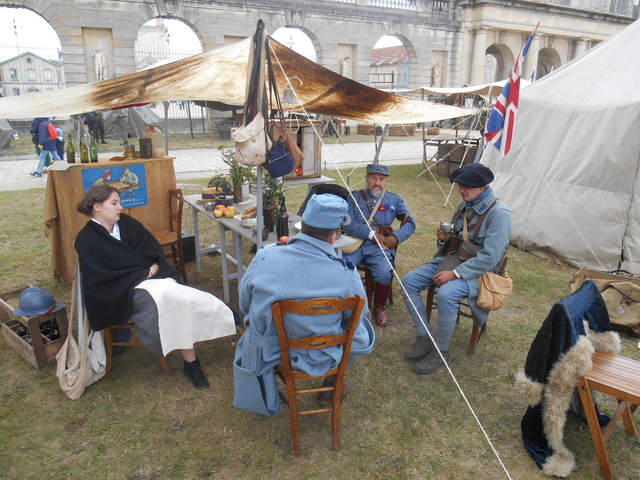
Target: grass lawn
[(144, 424)]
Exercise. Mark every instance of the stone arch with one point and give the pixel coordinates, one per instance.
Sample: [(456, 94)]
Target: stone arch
[(548, 60), (153, 42), (501, 65), (402, 70), (317, 47)]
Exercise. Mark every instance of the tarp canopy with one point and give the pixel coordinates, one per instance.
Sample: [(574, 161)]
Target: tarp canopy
[(220, 76), (571, 178), (139, 120)]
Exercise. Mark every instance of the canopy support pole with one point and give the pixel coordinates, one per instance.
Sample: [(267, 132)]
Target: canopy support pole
[(380, 142)]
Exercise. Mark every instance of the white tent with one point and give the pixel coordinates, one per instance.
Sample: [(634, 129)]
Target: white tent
[(571, 179)]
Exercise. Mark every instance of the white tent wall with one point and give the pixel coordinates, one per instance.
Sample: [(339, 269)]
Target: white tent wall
[(571, 177)]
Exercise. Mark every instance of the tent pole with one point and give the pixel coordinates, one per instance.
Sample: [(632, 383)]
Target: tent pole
[(380, 142), (259, 217), (189, 115), (424, 138), (166, 128)]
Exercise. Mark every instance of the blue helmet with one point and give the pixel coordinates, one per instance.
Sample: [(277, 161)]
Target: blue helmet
[(36, 301)]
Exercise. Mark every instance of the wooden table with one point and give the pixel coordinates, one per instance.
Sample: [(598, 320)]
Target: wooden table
[(65, 190), (232, 253)]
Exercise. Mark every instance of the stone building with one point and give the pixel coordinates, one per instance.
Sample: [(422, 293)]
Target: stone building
[(464, 41), (29, 73)]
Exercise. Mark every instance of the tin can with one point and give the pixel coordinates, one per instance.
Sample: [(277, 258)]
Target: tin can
[(130, 152), (446, 227)]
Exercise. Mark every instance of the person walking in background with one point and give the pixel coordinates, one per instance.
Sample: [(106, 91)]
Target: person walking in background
[(122, 122), (45, 144), (60, 143), (100, 126)]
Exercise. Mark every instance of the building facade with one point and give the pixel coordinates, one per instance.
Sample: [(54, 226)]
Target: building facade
[(29, 73), (451, 43)]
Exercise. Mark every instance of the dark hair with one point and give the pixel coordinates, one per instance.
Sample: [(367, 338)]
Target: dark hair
[(319, 233), (96, 194)]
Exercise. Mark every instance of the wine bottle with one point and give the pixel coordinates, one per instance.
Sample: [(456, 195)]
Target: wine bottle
[(282, 226), (93, 150), (268, 213), (71, 152), (84, 151)]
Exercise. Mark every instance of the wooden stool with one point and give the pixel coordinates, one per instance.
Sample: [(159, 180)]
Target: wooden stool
[(109, 344), (619, 377), (476, 332)]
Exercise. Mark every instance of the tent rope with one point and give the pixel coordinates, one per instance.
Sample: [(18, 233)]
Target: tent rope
[(405, 293)]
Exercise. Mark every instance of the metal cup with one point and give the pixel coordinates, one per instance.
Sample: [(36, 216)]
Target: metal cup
[(446, 227)]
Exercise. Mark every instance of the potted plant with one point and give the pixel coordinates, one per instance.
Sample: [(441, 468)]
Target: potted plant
[(238, 172)]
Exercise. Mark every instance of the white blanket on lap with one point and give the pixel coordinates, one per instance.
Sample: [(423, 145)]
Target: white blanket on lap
[(187, 315)]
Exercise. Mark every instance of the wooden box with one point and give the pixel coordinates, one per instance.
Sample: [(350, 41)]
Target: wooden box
[(451, 156), (36, 348)]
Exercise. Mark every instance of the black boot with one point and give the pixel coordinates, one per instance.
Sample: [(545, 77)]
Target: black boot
[(380, 296), (193, 370), (423, 347)]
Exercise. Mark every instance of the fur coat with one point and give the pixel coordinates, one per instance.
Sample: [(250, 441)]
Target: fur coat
[(560, 354)]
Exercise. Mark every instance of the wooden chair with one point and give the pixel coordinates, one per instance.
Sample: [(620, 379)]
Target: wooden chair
[(463, 311), (315, 307), (618, 377), (171, 240), (370, 285), (109, 344)]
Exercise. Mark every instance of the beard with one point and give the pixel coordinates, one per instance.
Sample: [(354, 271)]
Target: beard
[(375, 192)]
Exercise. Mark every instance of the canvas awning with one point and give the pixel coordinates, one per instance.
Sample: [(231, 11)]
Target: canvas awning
[(220, 76)]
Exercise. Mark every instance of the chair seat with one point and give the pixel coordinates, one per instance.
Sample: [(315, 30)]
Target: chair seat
[(618, 377)]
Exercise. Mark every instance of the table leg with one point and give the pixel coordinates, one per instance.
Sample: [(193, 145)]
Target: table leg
[(196, 237), (224, 260), (237, 238)]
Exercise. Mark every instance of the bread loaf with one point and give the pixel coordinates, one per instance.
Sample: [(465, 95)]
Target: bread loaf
[(250, 213)]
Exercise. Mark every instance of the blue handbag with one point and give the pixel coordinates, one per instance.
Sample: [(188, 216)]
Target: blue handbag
[(279, 162)]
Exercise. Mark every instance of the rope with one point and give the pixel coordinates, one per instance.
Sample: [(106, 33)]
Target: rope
[(405, 293)]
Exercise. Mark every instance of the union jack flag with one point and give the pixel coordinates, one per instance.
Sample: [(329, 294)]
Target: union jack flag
[(499, 131)]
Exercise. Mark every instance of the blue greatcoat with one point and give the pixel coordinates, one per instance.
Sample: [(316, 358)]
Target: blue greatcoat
[(305, 268), (493, 237), (369, 251)]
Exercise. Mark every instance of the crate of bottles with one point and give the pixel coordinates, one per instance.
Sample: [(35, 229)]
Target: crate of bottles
[(37, 339)]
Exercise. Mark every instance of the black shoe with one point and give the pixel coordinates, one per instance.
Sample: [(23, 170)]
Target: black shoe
[(195, 374), (423, 347), (431, 363), (36, 174), (103, 142), (326, 398)]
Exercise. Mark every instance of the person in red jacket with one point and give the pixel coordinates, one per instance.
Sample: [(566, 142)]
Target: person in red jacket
[(40, 126)]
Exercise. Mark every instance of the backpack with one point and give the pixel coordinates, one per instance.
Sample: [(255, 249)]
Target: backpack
[(53, 133)]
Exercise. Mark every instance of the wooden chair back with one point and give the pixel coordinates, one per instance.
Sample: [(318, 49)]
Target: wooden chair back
[(314, 307), (171, 239)]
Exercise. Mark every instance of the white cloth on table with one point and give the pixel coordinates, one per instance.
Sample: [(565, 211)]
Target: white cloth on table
[(187, 315)]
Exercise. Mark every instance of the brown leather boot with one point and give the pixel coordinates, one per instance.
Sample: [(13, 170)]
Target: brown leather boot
[(380, 296)]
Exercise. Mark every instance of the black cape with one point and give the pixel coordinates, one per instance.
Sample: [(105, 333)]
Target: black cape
[(111, 268)]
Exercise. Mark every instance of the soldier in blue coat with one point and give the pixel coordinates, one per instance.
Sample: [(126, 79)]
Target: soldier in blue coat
[(455, 276), (378, 250), (307, 267)]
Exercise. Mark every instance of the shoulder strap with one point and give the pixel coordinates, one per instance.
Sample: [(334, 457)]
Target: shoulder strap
[(374, 210), (478, 223)]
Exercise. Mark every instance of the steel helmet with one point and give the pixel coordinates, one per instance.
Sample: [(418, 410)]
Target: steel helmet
[(36, 301)]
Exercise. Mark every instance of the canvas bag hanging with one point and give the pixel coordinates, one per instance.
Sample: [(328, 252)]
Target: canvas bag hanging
[(279, 161), (251, 138), (77, 368), (493, 290)]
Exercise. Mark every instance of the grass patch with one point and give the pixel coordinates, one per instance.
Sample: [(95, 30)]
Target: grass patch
[(145, 424)]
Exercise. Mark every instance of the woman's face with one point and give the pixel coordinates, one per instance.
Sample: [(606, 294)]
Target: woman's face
[(108, 212)]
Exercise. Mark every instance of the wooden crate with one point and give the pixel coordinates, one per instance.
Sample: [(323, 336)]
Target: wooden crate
[(42, 350)]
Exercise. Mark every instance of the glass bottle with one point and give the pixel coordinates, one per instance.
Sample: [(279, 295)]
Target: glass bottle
[(282, 227), (268, 212), (71, 152), (84, 151), (93, 150)]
